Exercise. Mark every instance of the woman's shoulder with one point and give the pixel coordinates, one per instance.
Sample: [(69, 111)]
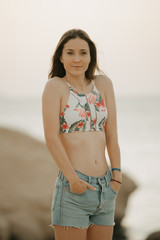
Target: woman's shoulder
[(103, 80), (55, 83), (54, 87)]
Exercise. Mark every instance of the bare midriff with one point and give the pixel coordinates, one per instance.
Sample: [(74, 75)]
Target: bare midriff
[(86, 151)]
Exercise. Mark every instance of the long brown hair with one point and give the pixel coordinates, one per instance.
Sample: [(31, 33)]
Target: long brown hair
[(57, 68)]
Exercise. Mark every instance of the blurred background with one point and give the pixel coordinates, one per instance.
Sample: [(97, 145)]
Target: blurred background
[(127, 36)]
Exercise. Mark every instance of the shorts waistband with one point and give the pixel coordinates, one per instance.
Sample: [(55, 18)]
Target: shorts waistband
[(91, 179)]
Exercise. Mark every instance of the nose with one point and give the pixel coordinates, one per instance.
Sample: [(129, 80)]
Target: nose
[(77, 59)]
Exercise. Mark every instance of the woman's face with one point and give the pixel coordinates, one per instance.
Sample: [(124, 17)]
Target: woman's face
[(76, 56)]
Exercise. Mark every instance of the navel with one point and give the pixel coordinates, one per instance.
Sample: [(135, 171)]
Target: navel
[(95, 161)]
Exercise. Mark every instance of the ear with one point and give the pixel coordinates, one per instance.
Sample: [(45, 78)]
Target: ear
[(61, 59)]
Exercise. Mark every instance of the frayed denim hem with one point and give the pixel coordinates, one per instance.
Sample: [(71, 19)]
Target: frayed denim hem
[(69, 227)]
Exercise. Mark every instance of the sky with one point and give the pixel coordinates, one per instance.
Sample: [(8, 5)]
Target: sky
[(126, 34)]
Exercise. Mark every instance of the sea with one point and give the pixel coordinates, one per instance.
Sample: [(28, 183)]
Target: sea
[(138, 122)]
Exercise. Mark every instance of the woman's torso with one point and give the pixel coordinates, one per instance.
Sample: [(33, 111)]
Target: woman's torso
[(85, 150)]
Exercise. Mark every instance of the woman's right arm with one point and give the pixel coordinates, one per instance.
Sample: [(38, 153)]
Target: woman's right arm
[(50, 110)]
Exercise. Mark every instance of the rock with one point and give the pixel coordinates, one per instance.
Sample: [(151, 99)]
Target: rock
[(154, 236), (27, 176), (128, 186)]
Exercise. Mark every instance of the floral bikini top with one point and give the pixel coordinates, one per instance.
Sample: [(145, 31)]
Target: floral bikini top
[(83, 112)]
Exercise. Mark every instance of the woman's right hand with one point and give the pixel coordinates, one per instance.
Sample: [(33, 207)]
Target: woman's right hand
[(80, 186)]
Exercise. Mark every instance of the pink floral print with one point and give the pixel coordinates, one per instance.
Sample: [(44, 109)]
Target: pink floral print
[(80, 124), (91, 98), (84, 113), (81, 112), (64, 126)]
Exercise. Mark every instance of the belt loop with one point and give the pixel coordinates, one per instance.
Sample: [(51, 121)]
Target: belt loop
[(99, 181), (60, 175), (107, 183), (89, 179)]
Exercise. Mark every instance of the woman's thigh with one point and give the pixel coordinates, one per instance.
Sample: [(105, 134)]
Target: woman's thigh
[(93, 232), (69, 233), (100, 232)]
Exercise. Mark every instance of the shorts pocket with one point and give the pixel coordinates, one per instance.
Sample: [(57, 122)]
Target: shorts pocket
[(67, 187), (112, 189)]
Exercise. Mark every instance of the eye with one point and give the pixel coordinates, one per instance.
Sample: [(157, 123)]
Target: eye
[(84, 53), (69, 53)]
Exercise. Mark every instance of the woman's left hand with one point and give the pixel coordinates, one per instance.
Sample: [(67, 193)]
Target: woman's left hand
[(115, 186), (117, 176)]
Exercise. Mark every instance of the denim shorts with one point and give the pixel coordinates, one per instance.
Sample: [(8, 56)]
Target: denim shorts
[(83, 209)]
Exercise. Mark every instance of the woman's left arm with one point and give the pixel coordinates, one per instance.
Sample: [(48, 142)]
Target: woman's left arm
[(111, 130)]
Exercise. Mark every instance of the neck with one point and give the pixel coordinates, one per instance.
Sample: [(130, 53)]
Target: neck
[(78, 82)]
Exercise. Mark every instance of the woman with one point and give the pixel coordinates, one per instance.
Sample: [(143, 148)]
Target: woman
[(79, 117)]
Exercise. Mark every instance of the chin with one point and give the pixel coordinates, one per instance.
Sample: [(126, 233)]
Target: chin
[(77, 73)]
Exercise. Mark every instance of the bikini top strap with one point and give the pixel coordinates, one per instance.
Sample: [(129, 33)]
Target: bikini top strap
[(93, 83), (69, 85)]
